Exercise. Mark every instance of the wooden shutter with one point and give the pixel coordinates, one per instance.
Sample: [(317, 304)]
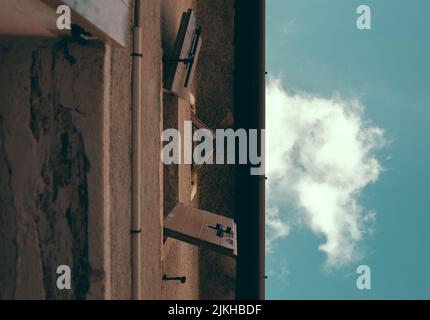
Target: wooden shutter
[(202, 228), (183, 60)]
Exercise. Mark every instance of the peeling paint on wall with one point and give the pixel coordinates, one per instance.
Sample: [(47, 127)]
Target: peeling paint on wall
[(64, 173), (45, 169)]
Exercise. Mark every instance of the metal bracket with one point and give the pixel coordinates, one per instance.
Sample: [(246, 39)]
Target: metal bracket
[(220, 230), (182, 279)]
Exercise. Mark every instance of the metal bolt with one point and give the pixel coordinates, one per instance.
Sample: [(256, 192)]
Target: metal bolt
[(182, 279)]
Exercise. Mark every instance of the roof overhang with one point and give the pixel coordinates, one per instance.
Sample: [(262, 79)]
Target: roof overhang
[(107, 20), (250, 114)]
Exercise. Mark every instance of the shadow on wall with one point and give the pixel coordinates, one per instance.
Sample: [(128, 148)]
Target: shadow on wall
[(215, 106)]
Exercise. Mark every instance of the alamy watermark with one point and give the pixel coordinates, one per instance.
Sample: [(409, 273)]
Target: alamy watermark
[(64, 21), (364, 281), (223, 146), (64, 278), (364, 21)]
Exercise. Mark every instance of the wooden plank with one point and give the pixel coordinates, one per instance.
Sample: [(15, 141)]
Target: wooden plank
[(194, 224), (184, 169), (181, 74), (176, 219), (209, 234), (229, 240), (191, 69), (198, 227)]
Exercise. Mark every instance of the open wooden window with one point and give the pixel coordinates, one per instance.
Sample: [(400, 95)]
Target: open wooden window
[(202, 228), (183, 60), (185, 222), (182, 220)]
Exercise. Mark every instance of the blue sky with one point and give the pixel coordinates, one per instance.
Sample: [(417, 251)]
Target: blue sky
[(378, 81)]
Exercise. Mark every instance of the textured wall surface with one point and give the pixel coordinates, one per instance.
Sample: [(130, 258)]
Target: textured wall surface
[(51, 156), (213, 88), (181, 259), (215, 106), (120, 170), (65, 162), (151, 132)]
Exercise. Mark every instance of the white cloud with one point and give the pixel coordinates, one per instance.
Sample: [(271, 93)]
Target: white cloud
[(278, 228), (320, 157)]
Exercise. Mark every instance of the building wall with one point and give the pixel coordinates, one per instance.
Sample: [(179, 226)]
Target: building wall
[(65, 162), (152, 113), (214, 92), (179, 258), (120, 160), (52, 168), (215, 106), (120, 170)]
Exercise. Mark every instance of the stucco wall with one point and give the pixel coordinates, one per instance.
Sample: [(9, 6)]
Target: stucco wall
[(52, 168), (215, 106), (152, 175), (214, 92), (65, 161), (180, 259), (120, 170)]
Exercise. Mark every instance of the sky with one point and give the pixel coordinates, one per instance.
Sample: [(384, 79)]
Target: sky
[(348, 127)]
